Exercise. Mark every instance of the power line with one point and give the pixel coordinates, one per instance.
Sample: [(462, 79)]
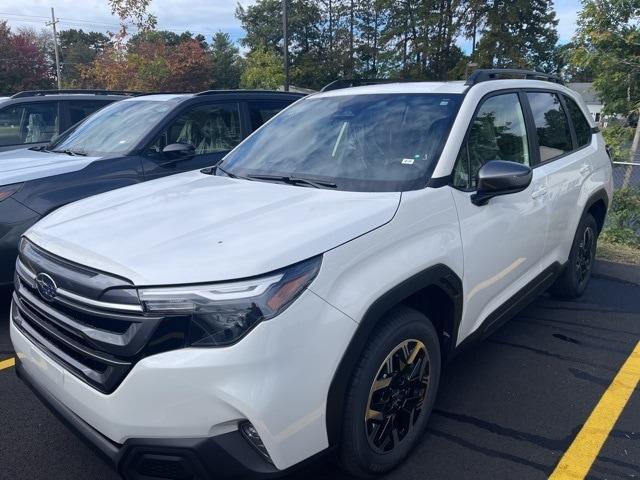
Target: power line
[(22, 15), (87, 22)]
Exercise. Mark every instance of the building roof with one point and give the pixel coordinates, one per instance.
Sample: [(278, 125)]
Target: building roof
[(586, 90)]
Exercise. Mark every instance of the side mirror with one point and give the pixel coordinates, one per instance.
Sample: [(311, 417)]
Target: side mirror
[(499, 177), (178, 150)]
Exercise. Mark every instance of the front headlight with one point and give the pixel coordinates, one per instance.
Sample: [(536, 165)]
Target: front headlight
[(221, 313)]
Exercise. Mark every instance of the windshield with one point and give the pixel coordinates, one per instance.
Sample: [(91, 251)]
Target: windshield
[(387, 142), (116, 129)]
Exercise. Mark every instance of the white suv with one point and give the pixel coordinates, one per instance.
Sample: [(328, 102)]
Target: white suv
[(301, 297)]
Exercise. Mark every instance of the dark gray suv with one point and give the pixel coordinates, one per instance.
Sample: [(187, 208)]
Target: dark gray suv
[(127, 142), (32, 118)]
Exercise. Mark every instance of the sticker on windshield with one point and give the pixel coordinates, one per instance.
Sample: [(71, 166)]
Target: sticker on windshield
[(407, 161)]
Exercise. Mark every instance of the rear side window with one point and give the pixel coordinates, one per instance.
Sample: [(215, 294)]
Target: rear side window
[(80, 110), (28, 123), (262, 111), (580, 124), (552, 125)]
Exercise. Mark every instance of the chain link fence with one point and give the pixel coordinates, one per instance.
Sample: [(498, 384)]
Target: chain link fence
[(622, 229), (626, 174)]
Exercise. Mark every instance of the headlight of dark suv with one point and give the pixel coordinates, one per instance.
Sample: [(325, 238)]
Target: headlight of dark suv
[(221, 313)]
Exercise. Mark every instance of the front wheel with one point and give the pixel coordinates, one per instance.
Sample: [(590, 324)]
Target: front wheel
[(577, 272), (391, 394)]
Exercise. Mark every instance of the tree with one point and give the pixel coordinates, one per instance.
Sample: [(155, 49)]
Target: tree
[(131, 12), (110, 70), (227, 62), (263, 70), (607, 41), (263, 23), (189, 67), (567, 68), (165, 37), (23, 63), (420, 37), (152, 66), (518, 34), (402, 38), (79, 48)]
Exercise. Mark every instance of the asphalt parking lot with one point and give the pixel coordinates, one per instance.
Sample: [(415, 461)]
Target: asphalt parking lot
[(508, 408)]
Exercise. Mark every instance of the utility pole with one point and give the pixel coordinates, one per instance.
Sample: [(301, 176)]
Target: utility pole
[(285, 30), (351, 57), (55, 44)]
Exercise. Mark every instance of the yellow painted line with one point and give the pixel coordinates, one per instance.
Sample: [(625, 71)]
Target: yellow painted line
[(7, 363), (577, 460)]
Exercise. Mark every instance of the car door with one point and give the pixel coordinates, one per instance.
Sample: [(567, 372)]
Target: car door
[(565, 161), (212, 129), (503, 240), (27, 124)]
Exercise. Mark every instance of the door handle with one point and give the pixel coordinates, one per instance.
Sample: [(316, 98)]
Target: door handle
[(586, 170), (540, 192)]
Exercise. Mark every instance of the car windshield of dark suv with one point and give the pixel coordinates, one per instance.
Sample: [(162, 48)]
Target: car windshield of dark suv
[(116, 129), (381, 142)]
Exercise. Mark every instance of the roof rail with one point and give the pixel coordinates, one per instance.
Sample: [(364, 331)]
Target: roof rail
[(220, 92), (42, 93), (484, 75), (357, 82)]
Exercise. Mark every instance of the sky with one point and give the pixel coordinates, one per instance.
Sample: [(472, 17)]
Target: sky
[(197, 16)]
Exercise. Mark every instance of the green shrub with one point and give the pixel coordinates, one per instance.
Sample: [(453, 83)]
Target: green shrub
[(619, 140), (623, 222)]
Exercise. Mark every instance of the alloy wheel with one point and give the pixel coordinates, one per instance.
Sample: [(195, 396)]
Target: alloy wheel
[(397, 396), (584, 259)]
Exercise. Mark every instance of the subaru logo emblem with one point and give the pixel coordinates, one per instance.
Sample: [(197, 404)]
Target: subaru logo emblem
[(47, 288)]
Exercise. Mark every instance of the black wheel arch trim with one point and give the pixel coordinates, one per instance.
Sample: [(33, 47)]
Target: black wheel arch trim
[(595, 197), (438, 275)]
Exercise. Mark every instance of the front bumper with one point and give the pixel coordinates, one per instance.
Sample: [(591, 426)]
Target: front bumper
[(228, 455), (277, 378), (15, 219)]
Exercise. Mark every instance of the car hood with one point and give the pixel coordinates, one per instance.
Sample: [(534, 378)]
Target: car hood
[(194, 228), (22, 165)]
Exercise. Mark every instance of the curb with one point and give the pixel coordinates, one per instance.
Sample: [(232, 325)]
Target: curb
[(620, 272)]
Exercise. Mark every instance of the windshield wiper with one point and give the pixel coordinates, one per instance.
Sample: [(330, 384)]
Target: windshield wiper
[(214, 170), (42, 148), (228, 174), (73, 153), (292, 180)]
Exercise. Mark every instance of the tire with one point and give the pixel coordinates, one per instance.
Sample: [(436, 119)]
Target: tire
[(366, 448), (577, 272)]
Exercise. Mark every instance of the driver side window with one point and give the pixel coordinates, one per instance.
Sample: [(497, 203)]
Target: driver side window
[(497, 132), (213, 128), (28, 123)]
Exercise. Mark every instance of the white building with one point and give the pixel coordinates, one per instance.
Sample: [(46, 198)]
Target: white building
[(590, 96)]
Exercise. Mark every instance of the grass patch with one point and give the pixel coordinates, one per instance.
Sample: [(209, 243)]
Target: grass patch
[(619, 253)]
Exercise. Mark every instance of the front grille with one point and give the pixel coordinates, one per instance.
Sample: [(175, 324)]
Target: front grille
[(94, 326)]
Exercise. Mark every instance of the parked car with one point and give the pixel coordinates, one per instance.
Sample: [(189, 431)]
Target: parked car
[(32, 118), (138, 139), (301, 297)]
